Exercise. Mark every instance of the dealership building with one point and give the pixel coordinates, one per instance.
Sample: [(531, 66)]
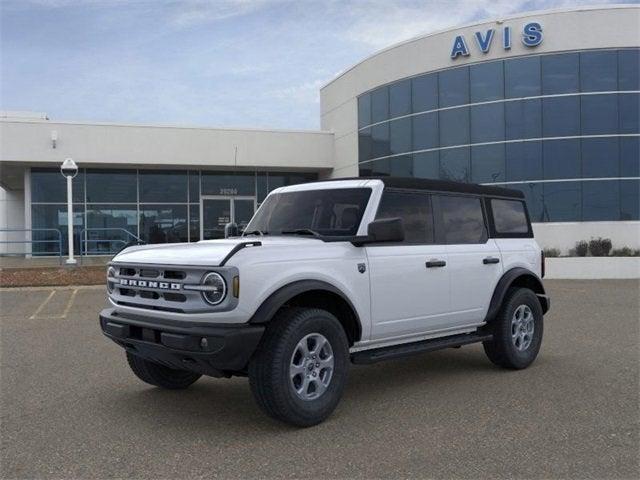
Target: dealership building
[(545, 102)]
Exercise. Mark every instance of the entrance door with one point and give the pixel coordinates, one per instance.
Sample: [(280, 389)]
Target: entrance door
[(216, 212)]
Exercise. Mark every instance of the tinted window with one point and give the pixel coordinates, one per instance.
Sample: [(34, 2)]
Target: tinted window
[(599, 114), (380, 140), (379, 105), (598, 71), (487, 82), (426, 164), (630, 157), (117, 220), (560, 73), (522, 77), (523, 161), (194, 223), (194, 186), (562, 201), (164, 224), (364, 110), (415, 211), (163, 187), (454, 164), (401, 166), (424, 92), (561, 159), (454, 127), (509, 216), (523, 119), (365, 145), (454, 87), (630, 200), (379, 168), (48, 185), (334, 212), (600, 201), (400, 135), (561, 116), (487, 123), (218, 183), (425, 131), (487, 163), (533, 197), (629, 112), (54, 217), (462, 219), (600, 157), (629, 69), (400, 98), (111, 186)]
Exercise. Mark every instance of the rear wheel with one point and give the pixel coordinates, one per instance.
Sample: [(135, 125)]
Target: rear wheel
[(517, 333), (299, 371), (159, 375)]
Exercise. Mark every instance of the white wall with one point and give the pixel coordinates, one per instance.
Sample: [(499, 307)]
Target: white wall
[(565, 235), (11, 216), (593, 268)]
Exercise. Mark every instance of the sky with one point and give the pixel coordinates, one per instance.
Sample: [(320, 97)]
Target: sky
[(217, 63)]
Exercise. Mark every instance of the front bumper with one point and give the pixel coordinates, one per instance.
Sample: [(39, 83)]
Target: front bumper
[(215, 350)]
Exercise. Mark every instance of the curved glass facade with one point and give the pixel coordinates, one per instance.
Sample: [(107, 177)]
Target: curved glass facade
[(563, 128)]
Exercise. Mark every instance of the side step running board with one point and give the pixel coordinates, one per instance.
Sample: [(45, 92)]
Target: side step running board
[(406, 349)]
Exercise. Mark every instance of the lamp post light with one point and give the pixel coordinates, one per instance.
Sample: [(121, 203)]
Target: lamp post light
[(69, 169)]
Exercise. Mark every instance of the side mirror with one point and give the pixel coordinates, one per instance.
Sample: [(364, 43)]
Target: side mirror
[(382, 230), (230, 230)]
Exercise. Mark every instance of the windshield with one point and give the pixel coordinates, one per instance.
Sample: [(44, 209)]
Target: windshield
[(330, 212)]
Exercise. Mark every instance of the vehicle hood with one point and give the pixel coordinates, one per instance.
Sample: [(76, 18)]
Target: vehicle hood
[(205, 253)]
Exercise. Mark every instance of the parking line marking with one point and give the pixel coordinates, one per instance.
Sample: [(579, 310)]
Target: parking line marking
[(69, 303), (42, 305)]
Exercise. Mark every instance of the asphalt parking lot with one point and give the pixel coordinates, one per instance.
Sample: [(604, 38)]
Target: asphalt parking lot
[(71, 407)]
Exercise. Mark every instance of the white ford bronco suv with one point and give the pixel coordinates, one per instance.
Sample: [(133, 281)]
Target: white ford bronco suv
[(328, 273)]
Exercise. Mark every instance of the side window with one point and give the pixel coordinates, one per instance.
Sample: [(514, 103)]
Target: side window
[(415, 211), (509, 216), (462, 219)]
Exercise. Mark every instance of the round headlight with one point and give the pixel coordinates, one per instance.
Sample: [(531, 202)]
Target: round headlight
[(111, 273), (216, 288)]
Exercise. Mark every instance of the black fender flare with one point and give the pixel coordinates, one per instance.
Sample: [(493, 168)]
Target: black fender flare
[(280, 297), (508, 278)]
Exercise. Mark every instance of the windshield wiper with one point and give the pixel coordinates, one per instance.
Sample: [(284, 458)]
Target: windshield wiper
[(255, 232), (301, 231)]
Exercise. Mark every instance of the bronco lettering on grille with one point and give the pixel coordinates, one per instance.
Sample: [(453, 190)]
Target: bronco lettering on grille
[(147, 284)]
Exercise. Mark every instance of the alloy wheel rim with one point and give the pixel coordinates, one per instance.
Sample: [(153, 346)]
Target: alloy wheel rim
[(311, 367), (522, 327)]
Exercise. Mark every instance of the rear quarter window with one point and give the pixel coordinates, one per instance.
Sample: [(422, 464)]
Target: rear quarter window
[(462, 219), (509, 217)]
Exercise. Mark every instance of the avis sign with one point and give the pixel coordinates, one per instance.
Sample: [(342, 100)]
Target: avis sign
[(531, 37)]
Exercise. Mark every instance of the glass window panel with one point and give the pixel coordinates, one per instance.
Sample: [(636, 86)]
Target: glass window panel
[(462, 219), (487, 163), (163, 223), (533, 197), (364, 170), (425, 131), (630, 200), (48, 185), (523, 161), (561, 116), (225, 183), (561, 159), (55, 217), (487, 123), (194, 186), (400, 98), (426, 165), (630, 157), (562, 201), (424, 93), (112, 186), (599, 114), (400, 135), (262, 185), (523, 119), (365, 145), (454, 164), (163, 186), (599, 71), (454, 127), (560, 73), (629, 112), (194, 223), (380, 104), (380, 168), (509, 216), (600, 157), (380, 140), (401, 166), (522, 77), (454, 87), (277, 180), (487, 81), (629, 69), (415, 211), (600, 201), (364, 110), (110, 228)]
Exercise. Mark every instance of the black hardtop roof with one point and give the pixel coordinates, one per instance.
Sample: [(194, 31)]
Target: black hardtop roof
[(441, 186)]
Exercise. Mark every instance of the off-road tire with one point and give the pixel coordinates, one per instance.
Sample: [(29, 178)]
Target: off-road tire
[(501, 349), (269, 374), (159, 375)]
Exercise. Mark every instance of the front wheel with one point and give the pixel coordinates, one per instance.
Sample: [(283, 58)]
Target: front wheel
[(517, 333), (299, 371)]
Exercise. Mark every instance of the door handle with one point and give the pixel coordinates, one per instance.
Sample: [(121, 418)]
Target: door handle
[(435, 263), (490, 260)]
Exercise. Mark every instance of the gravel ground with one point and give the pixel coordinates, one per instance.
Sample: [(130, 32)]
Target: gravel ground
[(71, 408)]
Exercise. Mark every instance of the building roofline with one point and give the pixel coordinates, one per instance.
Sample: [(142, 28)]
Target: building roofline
[(480, 22), (168, 126)]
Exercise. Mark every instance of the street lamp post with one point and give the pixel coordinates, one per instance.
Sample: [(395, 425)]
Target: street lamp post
[(69, 169)]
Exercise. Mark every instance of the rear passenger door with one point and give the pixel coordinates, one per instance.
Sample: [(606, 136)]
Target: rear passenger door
[(409, 281), (474, 260)]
